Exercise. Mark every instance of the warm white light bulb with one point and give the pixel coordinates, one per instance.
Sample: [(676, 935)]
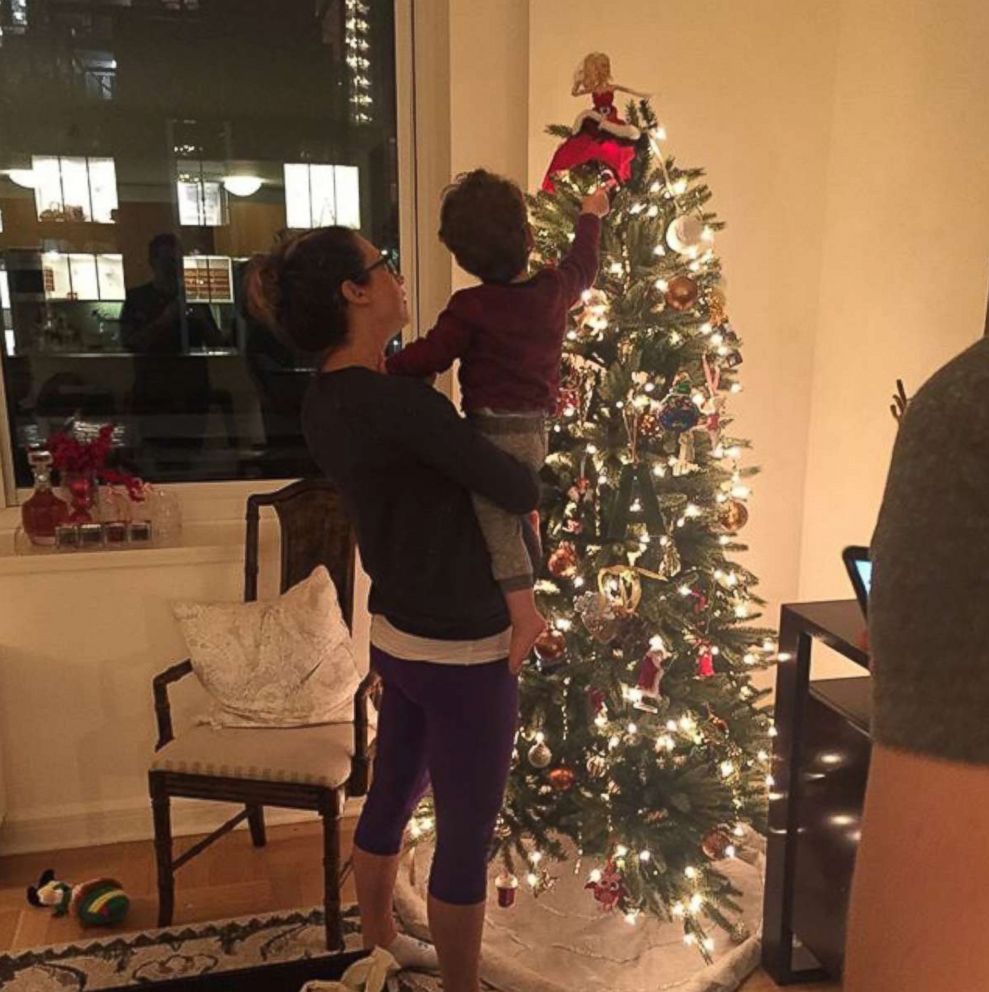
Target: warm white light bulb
[(22, 177), (242, 185)]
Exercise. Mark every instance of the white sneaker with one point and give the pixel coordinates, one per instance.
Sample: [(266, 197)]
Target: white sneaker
[(414, 954)]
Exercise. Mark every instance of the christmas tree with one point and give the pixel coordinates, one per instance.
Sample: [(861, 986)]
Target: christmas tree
[(642, 748)]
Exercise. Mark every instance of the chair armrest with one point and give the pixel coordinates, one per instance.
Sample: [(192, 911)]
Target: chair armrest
[(360, 773), (163, 709)]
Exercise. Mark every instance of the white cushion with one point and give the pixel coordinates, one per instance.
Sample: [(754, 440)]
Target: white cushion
[(306, 755), (288, 662)]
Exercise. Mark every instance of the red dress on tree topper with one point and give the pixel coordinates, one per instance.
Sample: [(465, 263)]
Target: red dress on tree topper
[(599, 135)]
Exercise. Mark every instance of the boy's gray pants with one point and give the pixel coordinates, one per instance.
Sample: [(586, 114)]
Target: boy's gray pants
[(513, 545)]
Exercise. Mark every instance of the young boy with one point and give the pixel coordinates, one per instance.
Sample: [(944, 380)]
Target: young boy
[(508, 334)]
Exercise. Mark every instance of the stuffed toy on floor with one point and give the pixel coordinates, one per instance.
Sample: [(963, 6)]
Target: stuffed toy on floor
[(370, 974), (100, 902)]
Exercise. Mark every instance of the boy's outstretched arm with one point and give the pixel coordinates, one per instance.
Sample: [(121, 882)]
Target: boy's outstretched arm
[(435, 352), (579, 267)]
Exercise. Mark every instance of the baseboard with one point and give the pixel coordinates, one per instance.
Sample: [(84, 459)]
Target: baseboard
[(64, 829)]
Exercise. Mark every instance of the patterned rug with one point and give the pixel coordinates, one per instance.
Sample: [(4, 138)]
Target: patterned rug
[(193, 956)]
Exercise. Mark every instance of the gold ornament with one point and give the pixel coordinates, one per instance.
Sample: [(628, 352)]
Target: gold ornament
[(563, 561), (734, 515), (540, 755), (681, 293), (648, 426), (622, 587), (716, 312), (670, 565)]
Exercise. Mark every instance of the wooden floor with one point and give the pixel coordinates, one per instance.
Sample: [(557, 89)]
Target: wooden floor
[(231, 878)]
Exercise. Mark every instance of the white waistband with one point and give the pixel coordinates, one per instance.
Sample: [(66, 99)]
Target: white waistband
[(409, 647)]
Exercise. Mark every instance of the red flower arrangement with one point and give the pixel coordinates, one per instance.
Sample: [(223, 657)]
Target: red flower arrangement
[(72, 456)]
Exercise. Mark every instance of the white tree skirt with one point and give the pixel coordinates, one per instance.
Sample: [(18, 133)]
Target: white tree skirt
[(562, 942)]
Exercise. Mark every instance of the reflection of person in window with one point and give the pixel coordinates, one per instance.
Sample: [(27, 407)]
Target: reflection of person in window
[(150, 322), (171, 390)]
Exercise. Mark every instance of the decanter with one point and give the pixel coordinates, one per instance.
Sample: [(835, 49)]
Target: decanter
[(43, 511)]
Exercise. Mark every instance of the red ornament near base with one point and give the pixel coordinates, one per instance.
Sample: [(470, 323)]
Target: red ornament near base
[(507, 886)]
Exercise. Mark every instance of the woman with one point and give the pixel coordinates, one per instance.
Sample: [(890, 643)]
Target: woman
[(406, 464)]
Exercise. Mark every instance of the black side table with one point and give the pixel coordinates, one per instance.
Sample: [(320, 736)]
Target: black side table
[(820, 766)]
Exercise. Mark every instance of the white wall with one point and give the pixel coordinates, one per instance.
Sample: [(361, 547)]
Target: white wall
[(906, 252), (744, 90)]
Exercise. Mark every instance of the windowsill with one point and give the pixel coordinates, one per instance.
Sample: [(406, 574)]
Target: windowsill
[(202, 544), (212, 532)]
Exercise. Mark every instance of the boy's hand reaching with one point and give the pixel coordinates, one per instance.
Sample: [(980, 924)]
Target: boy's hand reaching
[(596, 203)]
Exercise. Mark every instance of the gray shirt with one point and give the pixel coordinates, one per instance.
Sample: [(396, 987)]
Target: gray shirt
[(929, 603)]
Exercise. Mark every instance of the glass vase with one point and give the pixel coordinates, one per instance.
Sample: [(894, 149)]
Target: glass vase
[(82, 490)]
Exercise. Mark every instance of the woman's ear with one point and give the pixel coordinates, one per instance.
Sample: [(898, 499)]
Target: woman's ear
[(354, 293)]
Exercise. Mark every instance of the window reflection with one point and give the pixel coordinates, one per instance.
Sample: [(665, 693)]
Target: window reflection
[(148, 151)]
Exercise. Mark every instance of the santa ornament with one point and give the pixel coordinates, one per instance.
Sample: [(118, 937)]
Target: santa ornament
[(598, 135)]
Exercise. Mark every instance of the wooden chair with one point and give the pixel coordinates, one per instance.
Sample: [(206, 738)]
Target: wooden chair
[(313, 768)]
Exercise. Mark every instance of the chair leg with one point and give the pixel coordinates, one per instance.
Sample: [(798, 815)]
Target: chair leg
[(255, 819), (329, 811), (160, 804)]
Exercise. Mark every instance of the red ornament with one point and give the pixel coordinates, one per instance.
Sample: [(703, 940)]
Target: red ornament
[(705, 663), (595, 700), (568, 402), (609, 889), (652, 668), (715, 844), (562, 779), (507, 886), (563, 561), (550, 645), (700, 601)]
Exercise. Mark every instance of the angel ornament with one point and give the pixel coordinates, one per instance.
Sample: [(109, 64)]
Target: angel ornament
[(598, 134)]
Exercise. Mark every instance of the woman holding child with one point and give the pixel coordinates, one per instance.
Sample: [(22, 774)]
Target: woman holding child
[(408, 467)]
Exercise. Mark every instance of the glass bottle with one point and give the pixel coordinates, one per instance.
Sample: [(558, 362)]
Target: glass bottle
[(43, 511)]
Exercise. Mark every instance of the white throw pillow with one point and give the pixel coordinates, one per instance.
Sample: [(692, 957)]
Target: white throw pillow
[(288, 662)]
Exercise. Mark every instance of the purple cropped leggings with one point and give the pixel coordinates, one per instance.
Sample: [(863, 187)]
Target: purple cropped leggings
[(452, 726)]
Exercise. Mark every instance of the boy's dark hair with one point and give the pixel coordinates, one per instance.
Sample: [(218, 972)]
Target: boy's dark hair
[(484, 222)]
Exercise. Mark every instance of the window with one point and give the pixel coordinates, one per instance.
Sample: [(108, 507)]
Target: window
[(76, 189), (148, 151), (320, 195), (201, 203)]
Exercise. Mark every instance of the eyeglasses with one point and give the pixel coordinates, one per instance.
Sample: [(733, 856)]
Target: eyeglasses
[(388, 259)]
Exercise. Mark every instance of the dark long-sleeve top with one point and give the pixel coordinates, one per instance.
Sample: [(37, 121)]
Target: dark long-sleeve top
[(508, 336), (406, 464)]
